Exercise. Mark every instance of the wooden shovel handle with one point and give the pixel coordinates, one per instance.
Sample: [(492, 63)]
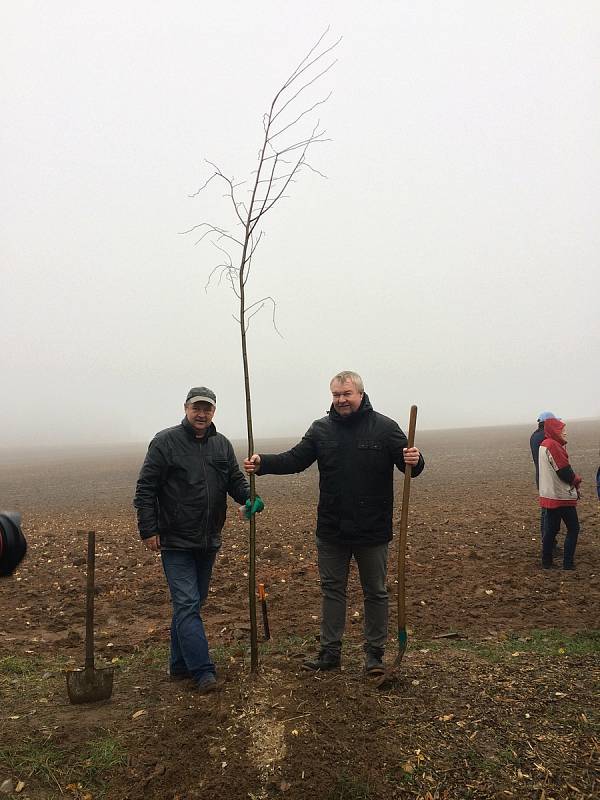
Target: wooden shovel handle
[(89, 603), (412, 425)]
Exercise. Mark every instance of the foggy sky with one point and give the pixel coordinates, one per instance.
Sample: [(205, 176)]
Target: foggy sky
[(450, 256)]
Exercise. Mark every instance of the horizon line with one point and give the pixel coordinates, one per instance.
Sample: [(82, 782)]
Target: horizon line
[(235, 439)]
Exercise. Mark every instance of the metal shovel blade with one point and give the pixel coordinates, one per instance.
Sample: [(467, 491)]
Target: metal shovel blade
[(89, 685)]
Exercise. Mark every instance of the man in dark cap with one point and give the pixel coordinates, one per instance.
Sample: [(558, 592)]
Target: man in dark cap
[(181, 502)]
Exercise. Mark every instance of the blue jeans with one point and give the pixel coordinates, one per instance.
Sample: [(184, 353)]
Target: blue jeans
[(552, 520), (542, 523), (188, 574)]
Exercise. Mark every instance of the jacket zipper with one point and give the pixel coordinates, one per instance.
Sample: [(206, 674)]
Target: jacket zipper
[(207, 499)]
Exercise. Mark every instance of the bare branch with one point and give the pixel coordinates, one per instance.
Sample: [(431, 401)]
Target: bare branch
[(299, 117), (268, 158), (248, 318), (313, 169), (200, 225), (274, 180), (211, 273), (306, 63), (300, 161), (229, 181), (225, 270), (302, 88), (226, 252), (254, 246), (282, 178), (297, 145), (247, 264), (222, 234), (262, 302), (204, 185), (232, 280), (258, 181), (308, 55), (248, 260)]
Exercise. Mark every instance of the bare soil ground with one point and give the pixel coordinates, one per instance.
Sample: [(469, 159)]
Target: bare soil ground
[(508, 707)]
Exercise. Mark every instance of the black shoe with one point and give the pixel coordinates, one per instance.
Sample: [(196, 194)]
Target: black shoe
[(548, 565), (179, 676), (326, 660), (569, 566), (206, 684), (374, 664)]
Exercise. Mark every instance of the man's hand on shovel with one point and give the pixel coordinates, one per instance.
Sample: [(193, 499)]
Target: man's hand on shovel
[(411, 455)]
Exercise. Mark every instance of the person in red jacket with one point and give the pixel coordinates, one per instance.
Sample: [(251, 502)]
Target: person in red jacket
[(559, 492)]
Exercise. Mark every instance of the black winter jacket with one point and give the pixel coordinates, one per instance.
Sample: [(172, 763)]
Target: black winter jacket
[(356, 457), (182, 488), (535, 440)]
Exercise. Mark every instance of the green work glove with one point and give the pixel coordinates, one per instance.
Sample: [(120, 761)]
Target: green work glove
[(253, 508)]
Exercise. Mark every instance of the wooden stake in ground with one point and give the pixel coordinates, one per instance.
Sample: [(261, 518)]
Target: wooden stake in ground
[(402, 636), (282, 158)]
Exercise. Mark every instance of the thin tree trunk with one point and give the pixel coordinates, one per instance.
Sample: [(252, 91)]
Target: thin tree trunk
[(252, 526)]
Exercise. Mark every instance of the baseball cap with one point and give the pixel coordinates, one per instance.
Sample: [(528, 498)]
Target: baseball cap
[(200, 394), (546, 415)]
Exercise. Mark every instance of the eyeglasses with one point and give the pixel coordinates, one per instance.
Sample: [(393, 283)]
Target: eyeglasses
[(204, 408)]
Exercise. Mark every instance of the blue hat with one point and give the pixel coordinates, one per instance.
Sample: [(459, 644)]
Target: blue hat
[(546, 415)]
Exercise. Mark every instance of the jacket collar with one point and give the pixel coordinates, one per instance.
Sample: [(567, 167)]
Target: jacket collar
[(364, 408)]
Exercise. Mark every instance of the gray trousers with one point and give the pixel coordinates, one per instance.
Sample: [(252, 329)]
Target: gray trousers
[(334, 565)]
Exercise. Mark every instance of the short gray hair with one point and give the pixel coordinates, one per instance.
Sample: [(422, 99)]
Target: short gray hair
[(348, 375)]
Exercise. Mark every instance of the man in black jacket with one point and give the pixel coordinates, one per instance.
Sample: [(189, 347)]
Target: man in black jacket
[(535, 440), (356, 450), (181, 502)]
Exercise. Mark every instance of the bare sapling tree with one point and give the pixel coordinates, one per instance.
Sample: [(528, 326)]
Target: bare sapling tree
[(291, 131)]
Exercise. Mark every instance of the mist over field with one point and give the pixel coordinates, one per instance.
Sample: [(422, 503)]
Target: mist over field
[(450, 256)]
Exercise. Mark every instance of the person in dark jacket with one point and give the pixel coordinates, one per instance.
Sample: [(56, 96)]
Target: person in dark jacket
[(535, 440), (181, 502), (356, 450), (13, 544)]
